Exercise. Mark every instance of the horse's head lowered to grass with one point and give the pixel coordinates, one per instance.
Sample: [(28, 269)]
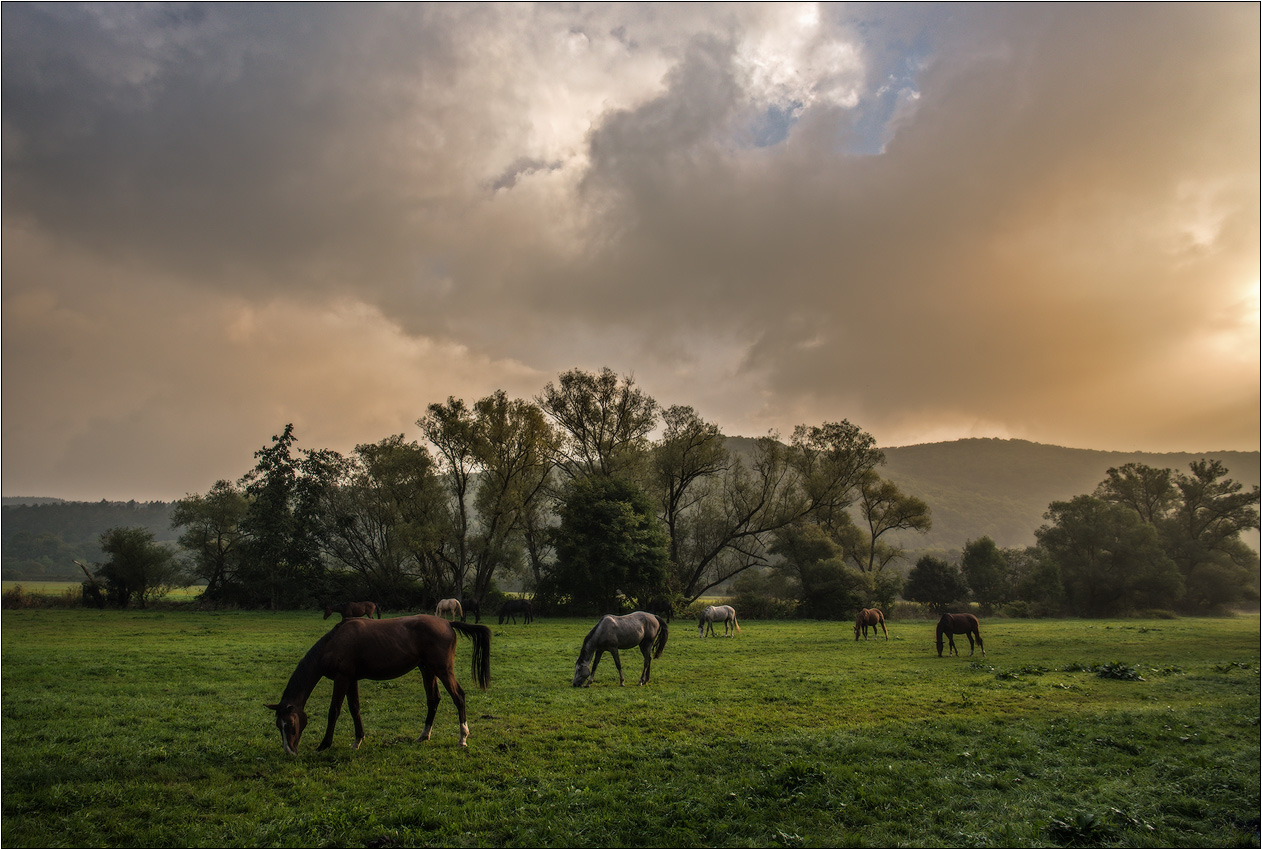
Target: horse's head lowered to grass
[(290, 720)]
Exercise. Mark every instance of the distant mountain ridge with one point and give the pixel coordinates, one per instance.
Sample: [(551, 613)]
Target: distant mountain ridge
[(1000, 488)]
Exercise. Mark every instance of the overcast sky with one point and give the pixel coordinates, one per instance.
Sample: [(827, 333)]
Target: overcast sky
[(1036, 222)]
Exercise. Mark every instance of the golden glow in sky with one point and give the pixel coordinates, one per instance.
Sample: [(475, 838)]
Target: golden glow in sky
[(1023, 221)]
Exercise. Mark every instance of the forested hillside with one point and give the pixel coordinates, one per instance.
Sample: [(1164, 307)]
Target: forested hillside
[(43, 537), (975, 488), (1001, 488)]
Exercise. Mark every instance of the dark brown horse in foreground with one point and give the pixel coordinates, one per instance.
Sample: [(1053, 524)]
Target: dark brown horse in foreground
[(381, 649), (352, 609), (870, 617), (960, 624)]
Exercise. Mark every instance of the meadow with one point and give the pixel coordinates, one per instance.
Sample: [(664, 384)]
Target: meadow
[(131, 728)]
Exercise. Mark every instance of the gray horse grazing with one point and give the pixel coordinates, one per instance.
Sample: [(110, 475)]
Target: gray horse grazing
[(612, 633), (722, 613)]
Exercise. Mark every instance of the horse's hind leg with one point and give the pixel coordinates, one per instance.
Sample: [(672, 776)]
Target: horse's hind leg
[(457, 696), (617, 661), (432, 698), (981, 645), (647, 649), (969, 635)]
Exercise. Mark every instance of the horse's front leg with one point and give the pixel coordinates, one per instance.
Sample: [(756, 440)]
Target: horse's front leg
[(352, 699), (340, 688), (617, 661), (431, 702), (591, 676), (952, 650)]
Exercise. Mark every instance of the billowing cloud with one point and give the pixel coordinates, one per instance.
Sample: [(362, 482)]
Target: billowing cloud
[(1036, 222)]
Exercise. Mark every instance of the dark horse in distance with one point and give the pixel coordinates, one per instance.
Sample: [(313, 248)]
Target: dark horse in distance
[(960, 624), (512, 607), (870, 617), (352, 609), (357, 649)]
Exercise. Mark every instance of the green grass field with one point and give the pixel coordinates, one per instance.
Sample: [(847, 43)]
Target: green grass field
[(148, 729)]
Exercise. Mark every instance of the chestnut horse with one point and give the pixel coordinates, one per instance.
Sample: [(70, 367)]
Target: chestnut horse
[(381, 649), (870, 617), (352, 609), (959, 624)]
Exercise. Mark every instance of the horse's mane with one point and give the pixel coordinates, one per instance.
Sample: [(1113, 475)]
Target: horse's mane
[(307, 673)]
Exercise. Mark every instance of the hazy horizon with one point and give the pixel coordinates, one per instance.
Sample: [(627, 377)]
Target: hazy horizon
[(1014, 221)]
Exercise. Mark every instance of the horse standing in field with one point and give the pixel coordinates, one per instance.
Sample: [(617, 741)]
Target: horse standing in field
[(612, 633), (960, 624), (512, 607), (381, 649), (449, 606), (870, 617), (470, 605), (352, 609), (662, 607), (724, 613)]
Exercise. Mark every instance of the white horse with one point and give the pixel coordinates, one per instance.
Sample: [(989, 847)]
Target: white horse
[(725, 613), (612, 633), (449, 606)]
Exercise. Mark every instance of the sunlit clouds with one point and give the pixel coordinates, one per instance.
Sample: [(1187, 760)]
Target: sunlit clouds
[(1037, 222)]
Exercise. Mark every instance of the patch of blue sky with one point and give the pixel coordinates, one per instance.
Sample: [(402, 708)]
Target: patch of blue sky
[(772, 126)]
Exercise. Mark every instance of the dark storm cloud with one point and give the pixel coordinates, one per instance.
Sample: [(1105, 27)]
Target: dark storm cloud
[(936, 221)]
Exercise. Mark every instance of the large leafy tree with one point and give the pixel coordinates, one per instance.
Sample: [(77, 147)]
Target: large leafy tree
[(883, 508), (213, 536), (1199, 518), (281, 564), (826, 587), (729, 529), (138, 569), (986, 571), (497, 459), (609, 544), (1111, 561), (518, 452), (605, 421), (936, 583), (451, 429), (383, 518)]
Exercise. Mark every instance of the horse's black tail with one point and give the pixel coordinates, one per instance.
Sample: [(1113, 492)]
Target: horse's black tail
[(660, 643), (481, 636)]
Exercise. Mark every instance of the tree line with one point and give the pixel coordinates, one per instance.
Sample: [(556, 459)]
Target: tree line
[(1147, 539), (571, 495)]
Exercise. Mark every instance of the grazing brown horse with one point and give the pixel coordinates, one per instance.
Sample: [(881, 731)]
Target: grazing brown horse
[(870, 617), (381, 649), (352, 609), (960, 624)]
